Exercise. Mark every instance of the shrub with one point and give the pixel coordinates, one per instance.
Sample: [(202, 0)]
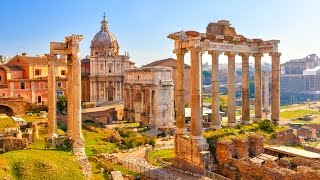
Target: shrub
[(267, 126)]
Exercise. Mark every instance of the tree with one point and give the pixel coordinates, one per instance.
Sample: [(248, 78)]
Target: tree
[(62, 104), (223, 102)]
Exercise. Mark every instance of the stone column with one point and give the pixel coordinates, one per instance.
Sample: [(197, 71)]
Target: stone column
[(245, 88), (151, 122), (130, 98), (180, 116), (142, 99), (231, 89), (52, 110), (266, 92), (257, 86), (196, 92), (70, 97), (275, 90), (215, 106), (77, 118)]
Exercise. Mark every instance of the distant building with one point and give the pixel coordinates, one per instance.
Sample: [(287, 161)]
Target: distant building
[(149, 93), (26, 76), (170, 62), (103, 72), (300, 80)]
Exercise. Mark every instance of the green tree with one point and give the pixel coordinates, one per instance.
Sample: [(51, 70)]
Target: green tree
[(223, 102), (62, 104)]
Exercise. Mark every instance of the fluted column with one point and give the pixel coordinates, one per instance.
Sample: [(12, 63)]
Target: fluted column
[(257, 86), (231, 89), (70, 97), (180, 92), (215, 106), (196, 92), (275, 90), (52, 110), (245, 88)]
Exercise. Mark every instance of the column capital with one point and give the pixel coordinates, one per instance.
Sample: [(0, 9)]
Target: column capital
[(197, 49), (214, 53), (275, 54), (244, 55), (180, 51), (257, 55), (230, 54)]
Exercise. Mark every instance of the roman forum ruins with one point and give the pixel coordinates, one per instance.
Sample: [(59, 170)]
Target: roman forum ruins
[(70, 49), (219, 38)]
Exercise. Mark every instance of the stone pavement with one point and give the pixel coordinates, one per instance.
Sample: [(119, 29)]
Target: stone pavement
[(162, 173)]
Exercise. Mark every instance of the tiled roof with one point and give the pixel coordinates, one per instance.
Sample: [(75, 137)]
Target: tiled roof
[(160, 63), (14, 68), (37, 60)]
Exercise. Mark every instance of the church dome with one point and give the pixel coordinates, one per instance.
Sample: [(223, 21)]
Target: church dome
[(104, 43)]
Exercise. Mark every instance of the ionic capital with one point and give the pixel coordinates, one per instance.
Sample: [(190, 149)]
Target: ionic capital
[(258, 55), (244, 55), (214, 53), (275, 54), (180, 51), (230, 54), (196, 49)]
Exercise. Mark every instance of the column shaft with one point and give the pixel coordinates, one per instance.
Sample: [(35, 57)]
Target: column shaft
[(266, 92), (180, 94), (257, 86), (196, 92), (70, 97), (76, 87), (275, 91), (215, 106), (245, 88), (231, 89), (52, 111)]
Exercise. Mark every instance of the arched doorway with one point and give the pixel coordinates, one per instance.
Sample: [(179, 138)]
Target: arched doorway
[(6, 110)]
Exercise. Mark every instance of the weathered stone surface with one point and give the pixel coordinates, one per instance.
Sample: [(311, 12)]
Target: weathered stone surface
[(224, 151), (255, 144), (307, 132), (285, 137), (12, 143), (116, 175), (242, 148)]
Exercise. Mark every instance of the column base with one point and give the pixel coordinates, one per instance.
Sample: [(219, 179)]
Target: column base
[(231, 124), (246, 122), (215, 127)]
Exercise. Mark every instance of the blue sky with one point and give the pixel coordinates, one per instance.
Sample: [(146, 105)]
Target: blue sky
[(142, 26)]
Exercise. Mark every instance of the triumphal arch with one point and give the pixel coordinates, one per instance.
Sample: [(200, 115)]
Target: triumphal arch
[(219, 38)]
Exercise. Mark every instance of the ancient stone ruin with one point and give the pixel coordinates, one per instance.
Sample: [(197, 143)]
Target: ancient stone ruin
[(70, 49)]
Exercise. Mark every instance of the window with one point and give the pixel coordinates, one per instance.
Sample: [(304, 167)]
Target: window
[(0, 78), (39, 99), (59, 84), (3, 94), (37, 72), (109, 68), (63, 72), (23, 85)]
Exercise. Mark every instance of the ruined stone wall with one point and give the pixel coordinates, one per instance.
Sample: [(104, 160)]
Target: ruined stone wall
[(285, 137), (255, 144), (12, 143), (307, 132)]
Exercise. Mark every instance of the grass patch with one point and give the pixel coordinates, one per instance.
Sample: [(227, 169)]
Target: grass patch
[(6, 121), (163, 155), (34, 117), (40, 164), (297, 113)]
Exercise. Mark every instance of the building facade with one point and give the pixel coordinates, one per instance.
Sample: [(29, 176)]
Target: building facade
[(26, 76), (149, 93), (170, 62), (103, 71), (300, 80)]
